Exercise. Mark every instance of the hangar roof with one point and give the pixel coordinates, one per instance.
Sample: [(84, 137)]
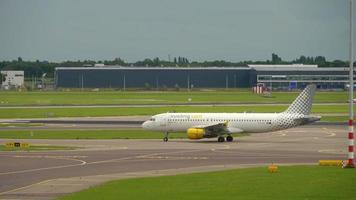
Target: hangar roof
[(284, 66), (152, 68), (294, 67), (339, 69)]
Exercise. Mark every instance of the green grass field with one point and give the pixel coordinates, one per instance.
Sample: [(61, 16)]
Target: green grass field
[(129, 111), (335, 119), (36, 148), (294, 182), (118, 97)]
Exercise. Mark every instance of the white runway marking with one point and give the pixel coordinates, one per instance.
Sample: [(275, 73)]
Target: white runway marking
[(333, 151), (330, 133), (82, 162), (281, 133), (27, 186), (296, 131), (174, 158), (100, 162)]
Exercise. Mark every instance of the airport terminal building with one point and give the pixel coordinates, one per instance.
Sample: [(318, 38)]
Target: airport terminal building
[(283, 76), (273, 76)]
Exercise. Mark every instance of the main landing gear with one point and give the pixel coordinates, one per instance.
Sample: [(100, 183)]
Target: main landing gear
[(229, 138), (165, 139), (221, 139)]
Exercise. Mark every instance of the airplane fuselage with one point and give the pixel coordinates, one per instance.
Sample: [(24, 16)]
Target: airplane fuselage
[(236, 122)]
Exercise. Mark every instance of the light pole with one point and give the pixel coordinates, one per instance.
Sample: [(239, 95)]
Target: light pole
[(43, 81), (350, 163), (124, 83)]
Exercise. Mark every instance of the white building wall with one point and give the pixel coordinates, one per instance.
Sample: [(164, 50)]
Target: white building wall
[(12, 79)]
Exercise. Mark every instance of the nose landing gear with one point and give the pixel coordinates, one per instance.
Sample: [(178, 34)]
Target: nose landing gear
[(165, 139)]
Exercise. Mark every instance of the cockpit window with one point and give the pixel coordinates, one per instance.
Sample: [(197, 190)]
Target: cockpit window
[(152, 119)]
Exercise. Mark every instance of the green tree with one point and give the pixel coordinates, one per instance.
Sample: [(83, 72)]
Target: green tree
[(276, 59), (302, 60), (320, 60), (156, 62)]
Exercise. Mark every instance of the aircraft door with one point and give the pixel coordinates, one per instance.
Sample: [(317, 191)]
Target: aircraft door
[(162, 122)]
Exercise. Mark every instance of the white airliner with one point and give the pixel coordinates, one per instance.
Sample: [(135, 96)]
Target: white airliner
[(209, 125)]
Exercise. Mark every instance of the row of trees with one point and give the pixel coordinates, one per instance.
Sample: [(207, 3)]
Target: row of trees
[(37, 68)]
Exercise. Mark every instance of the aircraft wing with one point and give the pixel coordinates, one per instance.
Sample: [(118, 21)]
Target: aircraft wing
[(219, 128), (214, 128)]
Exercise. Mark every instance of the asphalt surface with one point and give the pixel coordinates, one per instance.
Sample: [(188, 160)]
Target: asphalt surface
[(83, 123), (47, 175)]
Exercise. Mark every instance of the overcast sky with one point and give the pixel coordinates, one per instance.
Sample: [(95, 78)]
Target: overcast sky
[(233, 30)]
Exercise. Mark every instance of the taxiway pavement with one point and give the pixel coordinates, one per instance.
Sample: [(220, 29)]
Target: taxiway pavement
[(47, 175)]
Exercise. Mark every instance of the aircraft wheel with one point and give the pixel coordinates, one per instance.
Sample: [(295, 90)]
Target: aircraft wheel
[(229, 138), (221, 139), (165, 139)]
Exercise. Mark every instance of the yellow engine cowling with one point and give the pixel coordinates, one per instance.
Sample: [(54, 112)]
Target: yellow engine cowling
[(195, 133)]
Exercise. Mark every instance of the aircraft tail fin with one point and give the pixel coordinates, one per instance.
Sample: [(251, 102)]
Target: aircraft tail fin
[(303, 103)]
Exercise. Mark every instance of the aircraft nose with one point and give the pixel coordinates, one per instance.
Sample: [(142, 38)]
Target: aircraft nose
[(145, 124)]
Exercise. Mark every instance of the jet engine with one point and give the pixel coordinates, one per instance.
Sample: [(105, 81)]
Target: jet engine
[(195, 133)]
